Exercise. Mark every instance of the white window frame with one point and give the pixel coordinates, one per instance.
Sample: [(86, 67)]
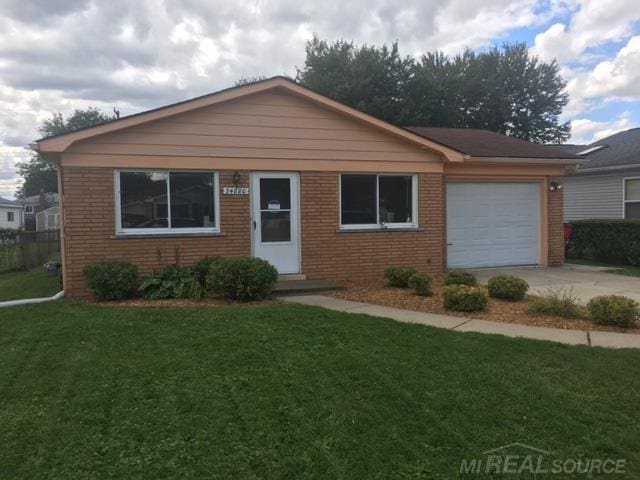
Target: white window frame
[(165, 231), (11, 217), (382, 225), (28, 209), (624, 195)]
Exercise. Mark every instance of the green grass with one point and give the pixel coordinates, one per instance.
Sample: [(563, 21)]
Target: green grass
[(286, 391), (32, 284), (628, 270)]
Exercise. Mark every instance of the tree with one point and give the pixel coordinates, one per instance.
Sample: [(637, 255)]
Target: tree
[(41, 176), (247, 80), (368, 78), (502, 89)]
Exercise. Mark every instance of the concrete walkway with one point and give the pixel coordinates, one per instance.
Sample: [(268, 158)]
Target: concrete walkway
[(460, 324), (586, 282)]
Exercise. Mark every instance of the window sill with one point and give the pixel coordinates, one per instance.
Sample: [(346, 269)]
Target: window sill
[(131, 236), (380, 230)]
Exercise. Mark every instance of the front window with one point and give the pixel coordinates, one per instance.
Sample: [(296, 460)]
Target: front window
[(11, 216), (167, 202), (28, 209), (632, 198), (377, 201)]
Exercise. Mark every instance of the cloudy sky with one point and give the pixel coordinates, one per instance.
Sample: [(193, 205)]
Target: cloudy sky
[(58, 55)]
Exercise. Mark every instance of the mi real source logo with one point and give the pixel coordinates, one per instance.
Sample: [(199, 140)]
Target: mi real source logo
[(518, 458)]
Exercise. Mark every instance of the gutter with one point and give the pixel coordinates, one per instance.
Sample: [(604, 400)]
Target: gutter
[(612, 168), (31, 301)]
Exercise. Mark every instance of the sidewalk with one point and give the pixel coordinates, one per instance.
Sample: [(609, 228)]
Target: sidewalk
[(460, 324)]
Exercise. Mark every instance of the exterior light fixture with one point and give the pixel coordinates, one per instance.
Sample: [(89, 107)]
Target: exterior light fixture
[(236, 178), (555, 186)]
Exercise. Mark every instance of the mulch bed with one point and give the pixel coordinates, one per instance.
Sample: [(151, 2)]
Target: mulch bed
[(498, 310), (180, 303)]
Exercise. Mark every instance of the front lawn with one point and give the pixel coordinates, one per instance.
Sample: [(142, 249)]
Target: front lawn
[(628, 270), (32, 284), (286, 391)]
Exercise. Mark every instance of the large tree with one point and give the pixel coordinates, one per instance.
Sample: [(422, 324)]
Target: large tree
[(41, 176), (502, 89)]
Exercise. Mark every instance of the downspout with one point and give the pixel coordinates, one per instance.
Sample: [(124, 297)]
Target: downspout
[(30, 301)]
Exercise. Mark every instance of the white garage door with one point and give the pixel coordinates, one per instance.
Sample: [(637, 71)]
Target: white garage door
[(493, 224)]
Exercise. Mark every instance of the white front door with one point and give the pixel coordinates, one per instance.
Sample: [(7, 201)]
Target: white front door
[(276, 231), (493, 224)]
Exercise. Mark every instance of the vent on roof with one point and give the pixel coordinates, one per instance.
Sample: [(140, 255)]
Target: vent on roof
[(591, 150)]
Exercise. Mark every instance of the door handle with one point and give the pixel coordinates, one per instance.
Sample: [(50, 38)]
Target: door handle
[(254, 225)]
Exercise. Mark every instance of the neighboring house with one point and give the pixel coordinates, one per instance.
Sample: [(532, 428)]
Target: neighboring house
[(317, 188), (11, 214), (607, 184), (33, 205)]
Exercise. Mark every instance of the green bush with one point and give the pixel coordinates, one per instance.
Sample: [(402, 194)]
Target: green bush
[(507, 287), (460, 278), (560, 302), (173, 281), (614, 310), (611, 241), (464, 298), (421, 284), (111, 280), (202, 268), (242, 278), (399, 276)]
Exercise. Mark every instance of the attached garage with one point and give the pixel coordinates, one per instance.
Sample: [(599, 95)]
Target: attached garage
[(493, 224)]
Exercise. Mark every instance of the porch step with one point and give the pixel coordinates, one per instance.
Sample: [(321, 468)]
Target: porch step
[(303, 287)]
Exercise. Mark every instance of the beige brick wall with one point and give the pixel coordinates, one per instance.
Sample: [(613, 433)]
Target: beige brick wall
[(556, 229), (89, 230), (328, 252)]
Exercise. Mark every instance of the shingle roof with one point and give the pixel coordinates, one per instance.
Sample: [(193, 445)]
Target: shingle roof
[(622, 148), (483, 143), (6, 201)]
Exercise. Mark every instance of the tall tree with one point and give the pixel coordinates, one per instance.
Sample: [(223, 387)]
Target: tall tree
[(502, 89), (41, 176), (366, 77)]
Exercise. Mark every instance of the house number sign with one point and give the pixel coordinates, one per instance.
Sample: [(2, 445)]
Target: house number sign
[(235, 190)]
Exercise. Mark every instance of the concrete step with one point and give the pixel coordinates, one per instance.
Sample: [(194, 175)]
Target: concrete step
[(303, 287)]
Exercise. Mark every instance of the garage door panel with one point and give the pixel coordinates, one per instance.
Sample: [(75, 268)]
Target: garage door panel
[(493, 224)]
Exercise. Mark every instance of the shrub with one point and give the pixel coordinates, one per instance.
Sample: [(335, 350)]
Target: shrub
[(421, 284), (507, 287), (560, 302), (614, 310), (173, 281), (464, 298), (201, 269), (399, 276), (460, 278), (612, 241), (242, 278), (111, 280)]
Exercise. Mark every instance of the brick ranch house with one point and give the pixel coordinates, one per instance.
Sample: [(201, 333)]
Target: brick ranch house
[(275, 170)]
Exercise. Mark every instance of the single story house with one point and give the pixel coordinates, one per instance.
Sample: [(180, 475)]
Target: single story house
[(319, 189), (607, 184), (11, 214)]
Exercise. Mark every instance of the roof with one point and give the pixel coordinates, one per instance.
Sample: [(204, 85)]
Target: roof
[(5, 202), (484, 143), (619, 150), (50, 197), (572, 148), (59, 143)]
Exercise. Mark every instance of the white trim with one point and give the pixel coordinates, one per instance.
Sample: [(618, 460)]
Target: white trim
[(381, 225), (624, 195), (168, 230)]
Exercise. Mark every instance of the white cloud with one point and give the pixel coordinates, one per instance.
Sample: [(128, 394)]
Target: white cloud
[(593, 23), (585, 131)]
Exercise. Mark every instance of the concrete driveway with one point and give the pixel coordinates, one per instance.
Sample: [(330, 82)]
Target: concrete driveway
[(585, 281)]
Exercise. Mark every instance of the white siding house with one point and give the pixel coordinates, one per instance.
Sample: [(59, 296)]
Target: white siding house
[(11, 214)]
